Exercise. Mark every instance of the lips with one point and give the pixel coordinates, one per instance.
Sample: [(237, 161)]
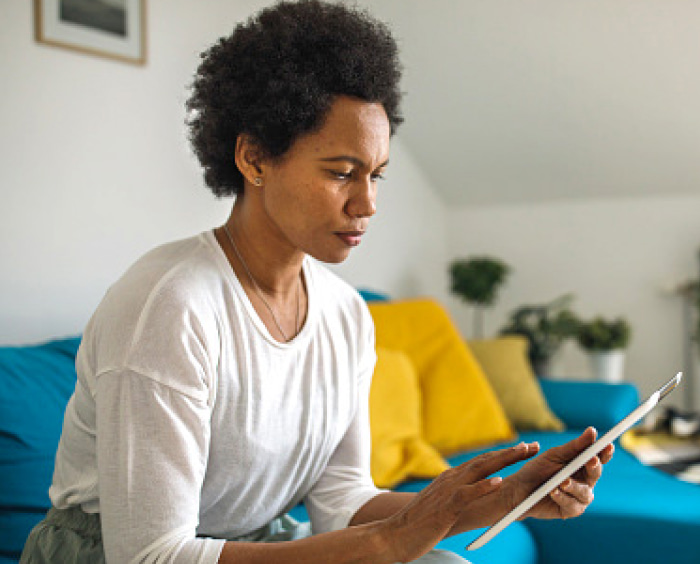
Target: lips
[(350, 238)]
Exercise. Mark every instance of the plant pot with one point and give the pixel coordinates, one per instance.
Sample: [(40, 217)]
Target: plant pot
[(542, 368), (608, 366)]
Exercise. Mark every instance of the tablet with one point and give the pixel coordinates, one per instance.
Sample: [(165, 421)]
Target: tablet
[(577, 463)]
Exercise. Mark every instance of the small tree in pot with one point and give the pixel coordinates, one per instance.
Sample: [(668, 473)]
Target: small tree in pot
[(477, 280), (605, 342)]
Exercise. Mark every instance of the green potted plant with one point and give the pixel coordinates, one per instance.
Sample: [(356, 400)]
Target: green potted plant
[(476, 280), (605, 341), (546, 327)]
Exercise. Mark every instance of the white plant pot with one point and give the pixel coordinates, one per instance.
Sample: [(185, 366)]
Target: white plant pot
[(608, 366)]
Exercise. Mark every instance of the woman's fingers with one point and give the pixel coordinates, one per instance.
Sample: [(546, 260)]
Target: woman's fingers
[(575, 494), (607, 453), (580, 492), (572, 497), (591, 472), (566, 452), (593, 469), (486, 464), (568, 505)]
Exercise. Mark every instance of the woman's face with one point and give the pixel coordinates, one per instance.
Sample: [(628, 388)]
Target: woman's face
[(320, 195)]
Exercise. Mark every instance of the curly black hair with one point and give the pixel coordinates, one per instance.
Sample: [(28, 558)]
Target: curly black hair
[(276, 76)]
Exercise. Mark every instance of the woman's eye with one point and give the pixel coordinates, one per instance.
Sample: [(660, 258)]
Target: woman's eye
[(340, 175), (347, 175)]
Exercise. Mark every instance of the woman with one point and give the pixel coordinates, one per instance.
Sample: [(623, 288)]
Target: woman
[(224, 378)]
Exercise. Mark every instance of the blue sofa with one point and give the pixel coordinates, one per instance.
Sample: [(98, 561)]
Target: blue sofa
[(639, 516)]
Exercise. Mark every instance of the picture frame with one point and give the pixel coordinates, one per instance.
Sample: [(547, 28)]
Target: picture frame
[(115, 29)]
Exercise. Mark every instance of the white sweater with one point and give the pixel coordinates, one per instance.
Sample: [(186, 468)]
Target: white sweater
[(189, 420)]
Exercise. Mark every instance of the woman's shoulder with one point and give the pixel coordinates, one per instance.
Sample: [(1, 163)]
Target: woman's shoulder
[(177, 280), (176, 267), (160, 318)]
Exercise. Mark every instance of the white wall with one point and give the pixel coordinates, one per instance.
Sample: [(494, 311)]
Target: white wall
[(615, 255), (95, 169)]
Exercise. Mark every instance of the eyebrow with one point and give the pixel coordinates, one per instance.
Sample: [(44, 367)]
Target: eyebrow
[(350, 159)]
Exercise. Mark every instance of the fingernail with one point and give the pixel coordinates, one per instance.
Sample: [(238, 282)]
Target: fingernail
[(495, 481)]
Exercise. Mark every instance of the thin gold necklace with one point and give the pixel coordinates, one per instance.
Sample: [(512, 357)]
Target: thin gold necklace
[(259, 292)]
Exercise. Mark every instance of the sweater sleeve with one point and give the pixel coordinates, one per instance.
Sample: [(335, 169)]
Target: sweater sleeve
[(346, 483), (152, 446)]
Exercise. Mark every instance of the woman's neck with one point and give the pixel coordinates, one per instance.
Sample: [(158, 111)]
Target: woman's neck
[(271, 278), (273, 263)]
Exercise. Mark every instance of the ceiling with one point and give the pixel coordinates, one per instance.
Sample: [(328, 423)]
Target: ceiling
[(511, 101)]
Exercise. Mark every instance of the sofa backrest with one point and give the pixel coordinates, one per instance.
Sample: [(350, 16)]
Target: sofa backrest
[(35, 385)]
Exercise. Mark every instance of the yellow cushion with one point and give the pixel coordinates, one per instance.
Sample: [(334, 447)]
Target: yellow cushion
[(460, 410), (505, 362), (398, 450)]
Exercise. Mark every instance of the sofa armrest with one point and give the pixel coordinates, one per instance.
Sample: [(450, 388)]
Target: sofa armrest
[(582, 404)]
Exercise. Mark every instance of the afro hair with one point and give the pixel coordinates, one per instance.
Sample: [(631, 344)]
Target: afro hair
[(276, 76)]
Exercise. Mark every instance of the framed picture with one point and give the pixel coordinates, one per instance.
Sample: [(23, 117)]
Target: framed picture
[(108, 28)]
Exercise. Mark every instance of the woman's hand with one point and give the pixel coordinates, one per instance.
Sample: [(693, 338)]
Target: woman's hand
[(434, 512), (575, 494), (570, 499)]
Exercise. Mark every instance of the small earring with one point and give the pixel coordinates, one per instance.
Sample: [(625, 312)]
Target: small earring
[(258, 181)]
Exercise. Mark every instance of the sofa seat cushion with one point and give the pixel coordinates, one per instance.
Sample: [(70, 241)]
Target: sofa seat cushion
[(515, 545)]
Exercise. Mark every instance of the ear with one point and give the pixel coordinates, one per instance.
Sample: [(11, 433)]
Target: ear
[(249, 159)]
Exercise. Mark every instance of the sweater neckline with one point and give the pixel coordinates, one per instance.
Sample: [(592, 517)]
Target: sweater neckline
[(307, 273)]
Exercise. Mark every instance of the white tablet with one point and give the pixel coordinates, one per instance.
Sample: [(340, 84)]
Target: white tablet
[(577, 463)]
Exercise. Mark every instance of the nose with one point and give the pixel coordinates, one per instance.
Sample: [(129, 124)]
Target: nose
[(362, 201)]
